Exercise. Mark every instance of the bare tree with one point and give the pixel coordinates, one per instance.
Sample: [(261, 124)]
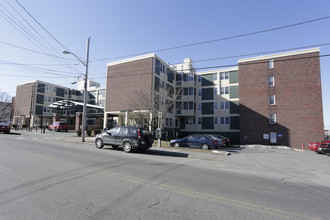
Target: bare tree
[(146, 103), (5, 106)]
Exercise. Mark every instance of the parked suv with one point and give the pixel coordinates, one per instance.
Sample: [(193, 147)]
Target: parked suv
[(58, 126), (127, 137)]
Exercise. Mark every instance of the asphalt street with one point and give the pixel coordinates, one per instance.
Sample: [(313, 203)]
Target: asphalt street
[(55, 176)]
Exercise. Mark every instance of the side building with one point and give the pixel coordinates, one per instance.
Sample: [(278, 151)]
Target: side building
[(33, 99), (281, 99)]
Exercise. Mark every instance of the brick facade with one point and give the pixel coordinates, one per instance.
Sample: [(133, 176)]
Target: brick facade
[(124, 79), (298, 99), (23, 99)]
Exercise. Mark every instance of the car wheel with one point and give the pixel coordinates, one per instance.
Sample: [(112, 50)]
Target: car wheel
[(114, 147), (99, 143), (176, 144), (127, 146), (205, 146)]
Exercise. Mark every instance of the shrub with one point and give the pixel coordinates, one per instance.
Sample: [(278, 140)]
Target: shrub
[(97, 131), (89, 133), (78, 132)]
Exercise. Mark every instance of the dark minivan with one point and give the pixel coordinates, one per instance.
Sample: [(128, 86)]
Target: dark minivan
[(127, 137)]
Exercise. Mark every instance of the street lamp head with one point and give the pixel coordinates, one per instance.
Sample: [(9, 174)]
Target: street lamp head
[(66, 52)]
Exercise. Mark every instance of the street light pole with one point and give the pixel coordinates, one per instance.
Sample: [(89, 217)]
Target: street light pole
[(83, 124)]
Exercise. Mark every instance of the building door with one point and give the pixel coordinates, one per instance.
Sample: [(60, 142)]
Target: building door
[(273, 137)]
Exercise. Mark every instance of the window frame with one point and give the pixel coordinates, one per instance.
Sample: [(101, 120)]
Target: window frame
[(272, 118), (272, 99), (271, 81), (271, 64)]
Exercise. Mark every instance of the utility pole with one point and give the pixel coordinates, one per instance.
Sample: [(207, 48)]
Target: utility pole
[(31, 105), (84, 119), (83, 124)]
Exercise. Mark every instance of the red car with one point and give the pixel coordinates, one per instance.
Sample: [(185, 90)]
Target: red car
[(315, 146), (58, 126), (4, 127)]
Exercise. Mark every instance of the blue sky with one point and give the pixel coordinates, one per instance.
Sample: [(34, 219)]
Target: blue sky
[(120, 28)]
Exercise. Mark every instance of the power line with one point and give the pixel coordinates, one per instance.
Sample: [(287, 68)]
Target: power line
[(37, 68), (34, 51), (228, 57), (41, 25), (222, 66), (220, 39), (258, 53), (51, 47), (19, 26)]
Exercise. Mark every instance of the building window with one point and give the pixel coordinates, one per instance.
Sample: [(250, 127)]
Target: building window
[(191, 105), (188, 77), (191, 90), (271, 81), (199, 92), (215, 120), (225, 120), (224, 90), (272, 118), (224, 75), (224, 105), (199, 106), (215, 106), (199, 78), (188, 91), (162, 84), (270, 64), (272, 99), (199, 121), (215, 91), (190, 121)]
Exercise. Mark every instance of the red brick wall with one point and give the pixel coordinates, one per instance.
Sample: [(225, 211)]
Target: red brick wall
[(23, 99), (298, 100), (125, 79)]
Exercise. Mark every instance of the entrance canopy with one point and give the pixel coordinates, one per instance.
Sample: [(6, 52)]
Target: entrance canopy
[(67, 104), (63, 105)]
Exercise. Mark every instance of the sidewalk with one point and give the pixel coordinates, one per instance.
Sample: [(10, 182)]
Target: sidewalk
[(71, 136)]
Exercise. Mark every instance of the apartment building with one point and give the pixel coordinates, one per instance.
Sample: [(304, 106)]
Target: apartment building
[(281, 99), (33, 99), (137, 88), (264, 100)]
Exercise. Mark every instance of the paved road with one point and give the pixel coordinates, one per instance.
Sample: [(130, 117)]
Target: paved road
[(47, 178)]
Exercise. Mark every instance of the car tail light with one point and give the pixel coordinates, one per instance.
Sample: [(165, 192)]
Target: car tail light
[(215, 142), (139, 134), (223, 141)]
